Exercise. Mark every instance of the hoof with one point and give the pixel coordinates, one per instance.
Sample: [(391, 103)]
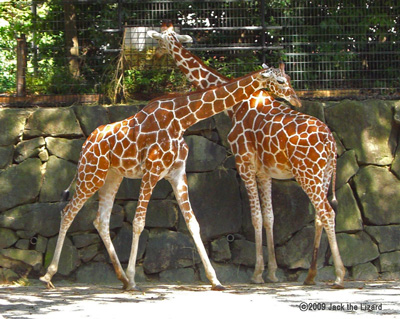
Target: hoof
[(272, 279), (309, 282), (257, 280), (337, 286), (218, 288), (48, 283), (132, 288)]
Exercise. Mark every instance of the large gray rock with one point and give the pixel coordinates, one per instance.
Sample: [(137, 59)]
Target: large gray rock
[(204, 125), (220, 213), (41, 244), (396, 106), (314, 108), (204, 155), (224, 126), (297, 252), (365, 272), (88, 253), (292, 209), (91, 117), (387, 237), (390, 262), (20, 184), (180, 275), (120, 112), (123, 243), (244, 253), (6, 154), (347, 167), (83, 240), (169, 250), (69, 259), (378, 189), (348, 215), (229, 273), (340, 149), (64, 148), (12, 123), (17, 266), (356, 248), (84, 219), (163, 214), (130, 188), (52, 122), (59, 175), (396, 163), (220, 250), (28, 148), (30, 257), (7, 238), (97, 273), (371, 135), (42, 219)]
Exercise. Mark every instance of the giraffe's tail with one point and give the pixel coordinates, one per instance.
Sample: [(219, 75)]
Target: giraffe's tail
[(334, 200), (65, 193)]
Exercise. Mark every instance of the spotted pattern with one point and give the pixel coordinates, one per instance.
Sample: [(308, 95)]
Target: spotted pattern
[(149, 146), (270, 140)]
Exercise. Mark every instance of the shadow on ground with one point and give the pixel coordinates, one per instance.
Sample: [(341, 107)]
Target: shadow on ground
[(89, 301)]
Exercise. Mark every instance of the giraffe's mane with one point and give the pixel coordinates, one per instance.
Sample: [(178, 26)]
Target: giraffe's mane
[(199, 91)]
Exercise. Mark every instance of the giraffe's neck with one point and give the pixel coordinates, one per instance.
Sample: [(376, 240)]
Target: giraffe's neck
[(191, 108), (199, 74), (195, 70)]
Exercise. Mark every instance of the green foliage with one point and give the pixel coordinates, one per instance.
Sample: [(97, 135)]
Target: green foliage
[(324, 42), (152, 81)]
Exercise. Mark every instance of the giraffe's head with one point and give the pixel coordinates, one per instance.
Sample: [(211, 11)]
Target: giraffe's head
[(279, 84), (167, 38)]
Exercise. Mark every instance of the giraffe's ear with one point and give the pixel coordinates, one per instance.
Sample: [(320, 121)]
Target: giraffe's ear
[(266, 74), (184, 38), (154, 34)]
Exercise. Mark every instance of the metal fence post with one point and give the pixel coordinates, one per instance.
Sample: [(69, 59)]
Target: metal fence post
[(262, 18), (21, 65)]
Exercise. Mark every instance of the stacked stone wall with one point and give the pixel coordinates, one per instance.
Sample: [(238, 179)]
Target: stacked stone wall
[(39, 150)]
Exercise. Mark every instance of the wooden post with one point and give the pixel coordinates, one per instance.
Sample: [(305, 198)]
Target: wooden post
[(21, 65)]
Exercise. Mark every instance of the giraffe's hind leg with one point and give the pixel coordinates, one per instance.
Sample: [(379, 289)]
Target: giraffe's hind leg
[(68, 215), (90, 179), (102, 222), (325, 218), (247, 173), (264, 187), (312, 271)]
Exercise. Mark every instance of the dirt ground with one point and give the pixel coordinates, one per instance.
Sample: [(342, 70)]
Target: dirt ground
[(367, 299)]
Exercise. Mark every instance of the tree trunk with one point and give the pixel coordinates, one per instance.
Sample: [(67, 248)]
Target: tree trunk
[(21, 65), (71, 38)]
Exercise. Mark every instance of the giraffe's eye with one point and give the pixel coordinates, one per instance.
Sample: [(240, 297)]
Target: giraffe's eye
[(281, 80)]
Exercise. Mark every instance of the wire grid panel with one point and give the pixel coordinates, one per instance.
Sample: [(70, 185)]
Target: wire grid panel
[(326, 45), (342, 45)]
